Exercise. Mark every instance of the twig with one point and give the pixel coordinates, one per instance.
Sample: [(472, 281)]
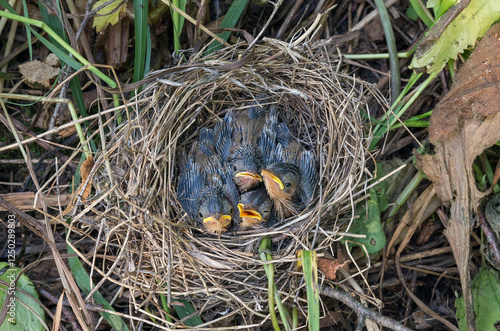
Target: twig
[(362, 310)]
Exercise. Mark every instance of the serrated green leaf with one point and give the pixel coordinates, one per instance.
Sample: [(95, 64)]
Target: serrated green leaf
[(109, 15), (469, 25), (486, 296), (19, 317)]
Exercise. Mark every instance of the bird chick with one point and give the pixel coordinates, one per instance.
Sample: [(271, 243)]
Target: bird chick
[(215, 211), (255, 209), (208, 195), (291, 186), (246, 162), (245, 156), (206, 190), (282, 182)]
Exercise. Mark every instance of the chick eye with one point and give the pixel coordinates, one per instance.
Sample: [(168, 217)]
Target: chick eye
[(288, 184), (235, 168), (201, 215), (231, 211)]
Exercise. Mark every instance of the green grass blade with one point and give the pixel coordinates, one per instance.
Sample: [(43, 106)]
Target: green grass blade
[(74, 85), (60, 41), (141, 35), (265, 246), (284, 314), (57, 27), (164, 304), (273, 294), (230, 20), (310, 270), (60, 54), (7, 75), (147, 66), (490, 173), (83, 281), (178, 22), (295, 318), (412, 124), (421, 12), (398, 109), (28, 32), (391, 47), (403, 196)]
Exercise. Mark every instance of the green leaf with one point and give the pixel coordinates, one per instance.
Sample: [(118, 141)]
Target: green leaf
[(310, 270), (369, 224), (480, 178), (230, 19), (178, 22), (7, 75), (369, 216), (83, 281), (440, 6), (186, 309), (411, 13), (420, 12), (486, 297), (381, 189), (446, 39), (141, 36), (19, 317), (273, 294)]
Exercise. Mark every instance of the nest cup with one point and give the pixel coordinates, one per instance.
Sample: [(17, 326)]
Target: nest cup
[(222, 276)]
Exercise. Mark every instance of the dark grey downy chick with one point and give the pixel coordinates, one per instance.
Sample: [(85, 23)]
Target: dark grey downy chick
[(245, 157), (256, 209), (206, 190), (290, 178)]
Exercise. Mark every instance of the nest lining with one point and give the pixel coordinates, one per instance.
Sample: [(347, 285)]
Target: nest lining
[(162, 252)]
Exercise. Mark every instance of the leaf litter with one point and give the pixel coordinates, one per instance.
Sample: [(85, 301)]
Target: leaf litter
[(463, 124)]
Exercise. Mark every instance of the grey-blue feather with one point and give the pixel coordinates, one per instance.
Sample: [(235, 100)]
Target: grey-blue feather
[(309, 176)]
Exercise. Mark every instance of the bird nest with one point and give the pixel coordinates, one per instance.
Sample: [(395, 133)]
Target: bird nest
[(156, 248)]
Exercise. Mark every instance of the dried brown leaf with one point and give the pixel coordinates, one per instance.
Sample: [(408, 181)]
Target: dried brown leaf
[(37, 72), (85, 170), (330, 267), (463, 124)]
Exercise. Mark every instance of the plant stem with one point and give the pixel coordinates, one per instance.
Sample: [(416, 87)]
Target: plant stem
[(391, 47), (67, 47)]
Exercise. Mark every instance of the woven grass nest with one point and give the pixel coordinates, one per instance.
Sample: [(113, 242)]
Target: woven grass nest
[(158, 250)]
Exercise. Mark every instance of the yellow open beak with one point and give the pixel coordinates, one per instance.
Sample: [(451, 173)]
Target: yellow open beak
[(248, 174), (248, 213), (213, 223), (273, 177)]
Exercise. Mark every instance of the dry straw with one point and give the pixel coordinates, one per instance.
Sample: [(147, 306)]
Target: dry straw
[(151, 248)]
